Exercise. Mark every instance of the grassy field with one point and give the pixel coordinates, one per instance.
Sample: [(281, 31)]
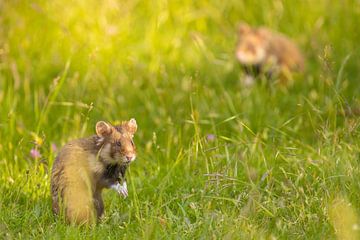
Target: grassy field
[(215, 159)]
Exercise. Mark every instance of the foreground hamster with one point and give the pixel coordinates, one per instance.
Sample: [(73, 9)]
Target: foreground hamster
[(84, 167), (262, 51)]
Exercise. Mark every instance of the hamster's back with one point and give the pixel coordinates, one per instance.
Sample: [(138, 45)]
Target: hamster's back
[(72, 182)]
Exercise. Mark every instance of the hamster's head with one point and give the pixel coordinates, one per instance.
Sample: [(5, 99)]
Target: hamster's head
[(117, 145), (252, 45)]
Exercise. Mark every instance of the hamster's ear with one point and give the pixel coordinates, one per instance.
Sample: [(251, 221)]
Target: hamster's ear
[(263, 32), (243, 28), (103, 129), (132, 126)]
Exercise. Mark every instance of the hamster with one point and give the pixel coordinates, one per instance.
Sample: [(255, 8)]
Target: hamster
[(84, 167), (262, 51)]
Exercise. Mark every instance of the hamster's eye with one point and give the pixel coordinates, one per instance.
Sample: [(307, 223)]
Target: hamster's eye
[(118, 143), (132, 143)]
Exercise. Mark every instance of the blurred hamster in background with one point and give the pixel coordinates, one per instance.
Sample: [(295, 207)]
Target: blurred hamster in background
[(263, 51)]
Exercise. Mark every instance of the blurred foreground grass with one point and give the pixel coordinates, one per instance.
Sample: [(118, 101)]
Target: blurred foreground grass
[(215, 159)]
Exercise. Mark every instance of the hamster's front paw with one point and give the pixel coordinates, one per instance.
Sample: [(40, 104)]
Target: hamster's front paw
[(121, 189)]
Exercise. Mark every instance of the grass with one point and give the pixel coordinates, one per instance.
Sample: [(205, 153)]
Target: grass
[(215, 159)]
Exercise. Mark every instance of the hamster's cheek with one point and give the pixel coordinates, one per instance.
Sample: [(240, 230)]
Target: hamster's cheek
[(118, 157)]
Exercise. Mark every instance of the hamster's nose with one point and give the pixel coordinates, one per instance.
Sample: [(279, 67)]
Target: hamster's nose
[(130, 158)]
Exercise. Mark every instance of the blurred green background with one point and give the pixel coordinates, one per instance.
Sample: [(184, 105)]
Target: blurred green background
[(215, 159)]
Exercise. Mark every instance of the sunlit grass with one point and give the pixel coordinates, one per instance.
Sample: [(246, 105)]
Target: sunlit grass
[(215, 159)]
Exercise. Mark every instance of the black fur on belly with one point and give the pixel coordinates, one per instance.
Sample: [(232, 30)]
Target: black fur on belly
[(257, 70), (253, 70), (114, 173)]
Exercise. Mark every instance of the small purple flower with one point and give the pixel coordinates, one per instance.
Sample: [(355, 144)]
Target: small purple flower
[(34, 153), (54, 147), (210, 137)]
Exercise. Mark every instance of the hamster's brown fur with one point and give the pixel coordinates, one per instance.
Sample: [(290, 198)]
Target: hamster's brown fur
[(79, 171), (265, 51)]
